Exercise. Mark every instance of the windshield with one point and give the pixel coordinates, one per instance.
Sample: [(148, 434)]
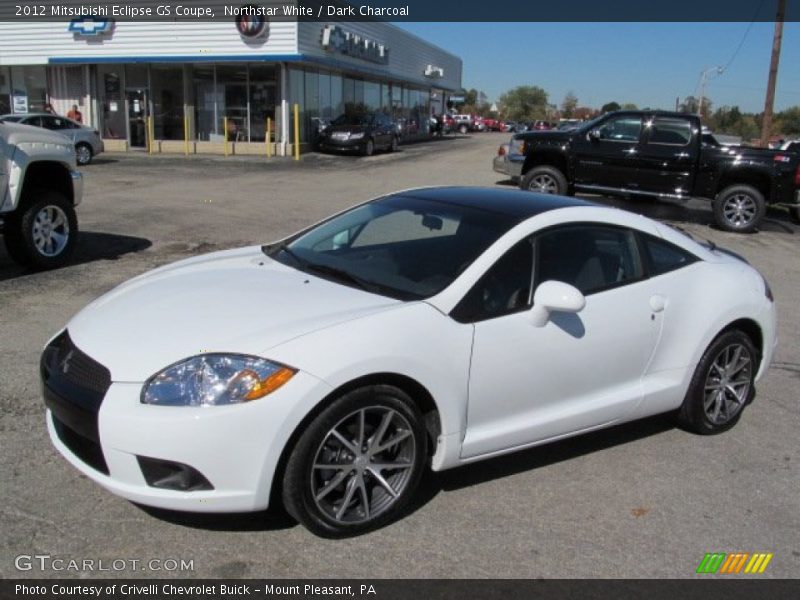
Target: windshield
[(585, 127), (10, 119), (399, 246), (352, 119)]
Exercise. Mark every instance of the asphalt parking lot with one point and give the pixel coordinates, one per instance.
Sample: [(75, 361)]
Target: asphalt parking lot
[(641, 500)]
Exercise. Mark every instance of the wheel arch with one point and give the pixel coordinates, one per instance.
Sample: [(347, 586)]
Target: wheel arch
[(547, 158), (57, 176), (752, 330), (754, 178), (418, 393)]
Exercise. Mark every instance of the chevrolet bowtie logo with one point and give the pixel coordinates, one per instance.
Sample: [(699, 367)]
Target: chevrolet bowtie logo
[(90, 26)]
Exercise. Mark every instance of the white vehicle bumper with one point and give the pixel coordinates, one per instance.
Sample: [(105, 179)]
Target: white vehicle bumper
[(77, 187), (236, 448)]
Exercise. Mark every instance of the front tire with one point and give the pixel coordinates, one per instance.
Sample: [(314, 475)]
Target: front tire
[(357, 464), (369, 148), (462, 129), (83, 154), (722, 385), (739, 208), (545, 180), (44, 234)]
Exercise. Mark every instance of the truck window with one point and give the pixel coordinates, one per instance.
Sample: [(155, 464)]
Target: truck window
[(671, 132), (621, 129)]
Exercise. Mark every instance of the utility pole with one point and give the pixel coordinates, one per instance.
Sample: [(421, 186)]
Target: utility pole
[(766, 121)]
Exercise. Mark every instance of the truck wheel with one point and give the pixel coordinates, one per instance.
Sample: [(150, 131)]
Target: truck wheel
[(739, 208), (794, 214), (43, 235), (462, 129), (545, 180)]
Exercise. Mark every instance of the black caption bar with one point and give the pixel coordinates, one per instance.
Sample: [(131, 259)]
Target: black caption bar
[(406, 10), (395, 589)]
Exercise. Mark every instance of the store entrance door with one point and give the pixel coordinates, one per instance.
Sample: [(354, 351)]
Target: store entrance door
[(137, 100)]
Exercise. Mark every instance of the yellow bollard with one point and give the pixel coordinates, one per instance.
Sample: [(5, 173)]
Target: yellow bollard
[(149, 134), (297, 132), (225, 133), (268, 137), (186, 135)]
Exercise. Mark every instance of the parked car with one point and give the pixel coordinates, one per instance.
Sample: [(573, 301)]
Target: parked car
[(542, 126), (791, 146), (40, 188), (87, 141), (329, 369), (510, 126), (660, 154), (463, 123), (508, 159), (360, 132), (494, 125)]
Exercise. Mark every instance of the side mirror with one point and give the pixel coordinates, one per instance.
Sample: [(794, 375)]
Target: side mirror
[(555, 296), (594, 135)]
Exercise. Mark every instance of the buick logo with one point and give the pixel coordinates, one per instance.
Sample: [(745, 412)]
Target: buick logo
[(65, 363), (251, 22)]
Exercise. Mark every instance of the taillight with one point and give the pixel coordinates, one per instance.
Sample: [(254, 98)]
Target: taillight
[(501, 151), (797, 176)]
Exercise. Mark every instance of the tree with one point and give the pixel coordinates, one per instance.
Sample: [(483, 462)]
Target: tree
[(629, 106), (524, 103), (568, 105), (610, 107), (690, 105), (787, 122)]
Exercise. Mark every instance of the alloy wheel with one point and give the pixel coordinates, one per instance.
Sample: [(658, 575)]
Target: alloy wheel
[(739, 210), (543, 183), (83, 154), (727, 384), (363, 465), (50, 231)]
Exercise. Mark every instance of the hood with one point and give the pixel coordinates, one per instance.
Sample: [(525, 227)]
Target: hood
[(233, 301), (545, 135)]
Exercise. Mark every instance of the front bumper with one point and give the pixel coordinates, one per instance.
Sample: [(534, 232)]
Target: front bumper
[(236, 448), (77, 187), (336, 145), (508, 165)]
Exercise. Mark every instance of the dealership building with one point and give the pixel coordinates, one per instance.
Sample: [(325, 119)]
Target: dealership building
[(197, 80)]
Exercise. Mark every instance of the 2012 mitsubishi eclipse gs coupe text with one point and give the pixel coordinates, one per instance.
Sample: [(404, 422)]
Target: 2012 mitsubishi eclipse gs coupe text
[(431, 327)]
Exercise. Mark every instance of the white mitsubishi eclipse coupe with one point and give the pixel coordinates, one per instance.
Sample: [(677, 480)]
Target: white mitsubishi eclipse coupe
[(428, 327)]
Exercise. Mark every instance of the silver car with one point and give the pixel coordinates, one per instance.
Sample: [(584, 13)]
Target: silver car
[(509, 159), (88, 142)]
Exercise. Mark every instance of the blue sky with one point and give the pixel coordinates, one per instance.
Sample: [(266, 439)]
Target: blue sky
[(649, 64)]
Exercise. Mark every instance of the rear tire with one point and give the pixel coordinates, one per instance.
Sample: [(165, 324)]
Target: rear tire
[(43, 235), (370, 480), (722, 384), (369, 147), (545, 180), (393, 146), (83, 154), (739, 208)]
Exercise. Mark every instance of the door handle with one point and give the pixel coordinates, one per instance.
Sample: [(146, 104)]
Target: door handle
[(682, 155), (658, 303), (630, 151)]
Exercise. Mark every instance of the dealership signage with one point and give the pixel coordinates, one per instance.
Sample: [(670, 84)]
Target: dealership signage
[(87, 26), (338, 40), (252, 23)]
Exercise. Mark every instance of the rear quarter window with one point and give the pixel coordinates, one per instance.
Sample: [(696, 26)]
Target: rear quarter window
[(663, 257)]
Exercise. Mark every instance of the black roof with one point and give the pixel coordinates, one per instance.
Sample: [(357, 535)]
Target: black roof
[(515, 203)]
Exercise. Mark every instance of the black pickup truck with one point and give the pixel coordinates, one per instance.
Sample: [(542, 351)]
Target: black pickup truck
[(660, 154)]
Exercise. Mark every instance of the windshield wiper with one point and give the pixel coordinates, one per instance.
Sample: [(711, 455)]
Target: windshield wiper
[(343, 275), (272, 249)]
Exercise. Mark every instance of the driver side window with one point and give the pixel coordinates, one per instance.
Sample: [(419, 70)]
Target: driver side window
[(504, 289), (621, 129)]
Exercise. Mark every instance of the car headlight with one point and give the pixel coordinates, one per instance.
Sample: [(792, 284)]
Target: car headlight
[(215, 379), (356, 136)]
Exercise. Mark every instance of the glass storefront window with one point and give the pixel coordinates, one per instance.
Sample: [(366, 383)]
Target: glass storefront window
[(112, 103), (5, 91), (28, 89), (325, 106), (167, 97), (262, 101), (232, 101), (372, 95), (337, 102), (310, 109), (205, 98)]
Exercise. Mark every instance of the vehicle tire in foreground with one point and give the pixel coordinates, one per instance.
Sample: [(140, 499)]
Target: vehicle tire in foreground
[(794, 214), (395, 143), (369, 147), (723, 383), (83, 154), (545, 180), (357, 464), (739, 208), (43, 235)]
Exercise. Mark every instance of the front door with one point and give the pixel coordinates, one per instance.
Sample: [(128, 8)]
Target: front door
[(609, 156), (668, 156), (137, 117), (580, 370)]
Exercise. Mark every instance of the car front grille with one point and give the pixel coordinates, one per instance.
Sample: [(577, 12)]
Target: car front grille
[(73, 386)]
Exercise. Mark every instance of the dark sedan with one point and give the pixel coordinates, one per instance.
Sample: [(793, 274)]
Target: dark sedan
[(359, 132)]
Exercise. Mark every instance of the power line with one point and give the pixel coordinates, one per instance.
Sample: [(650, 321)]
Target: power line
[(744, 37)]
